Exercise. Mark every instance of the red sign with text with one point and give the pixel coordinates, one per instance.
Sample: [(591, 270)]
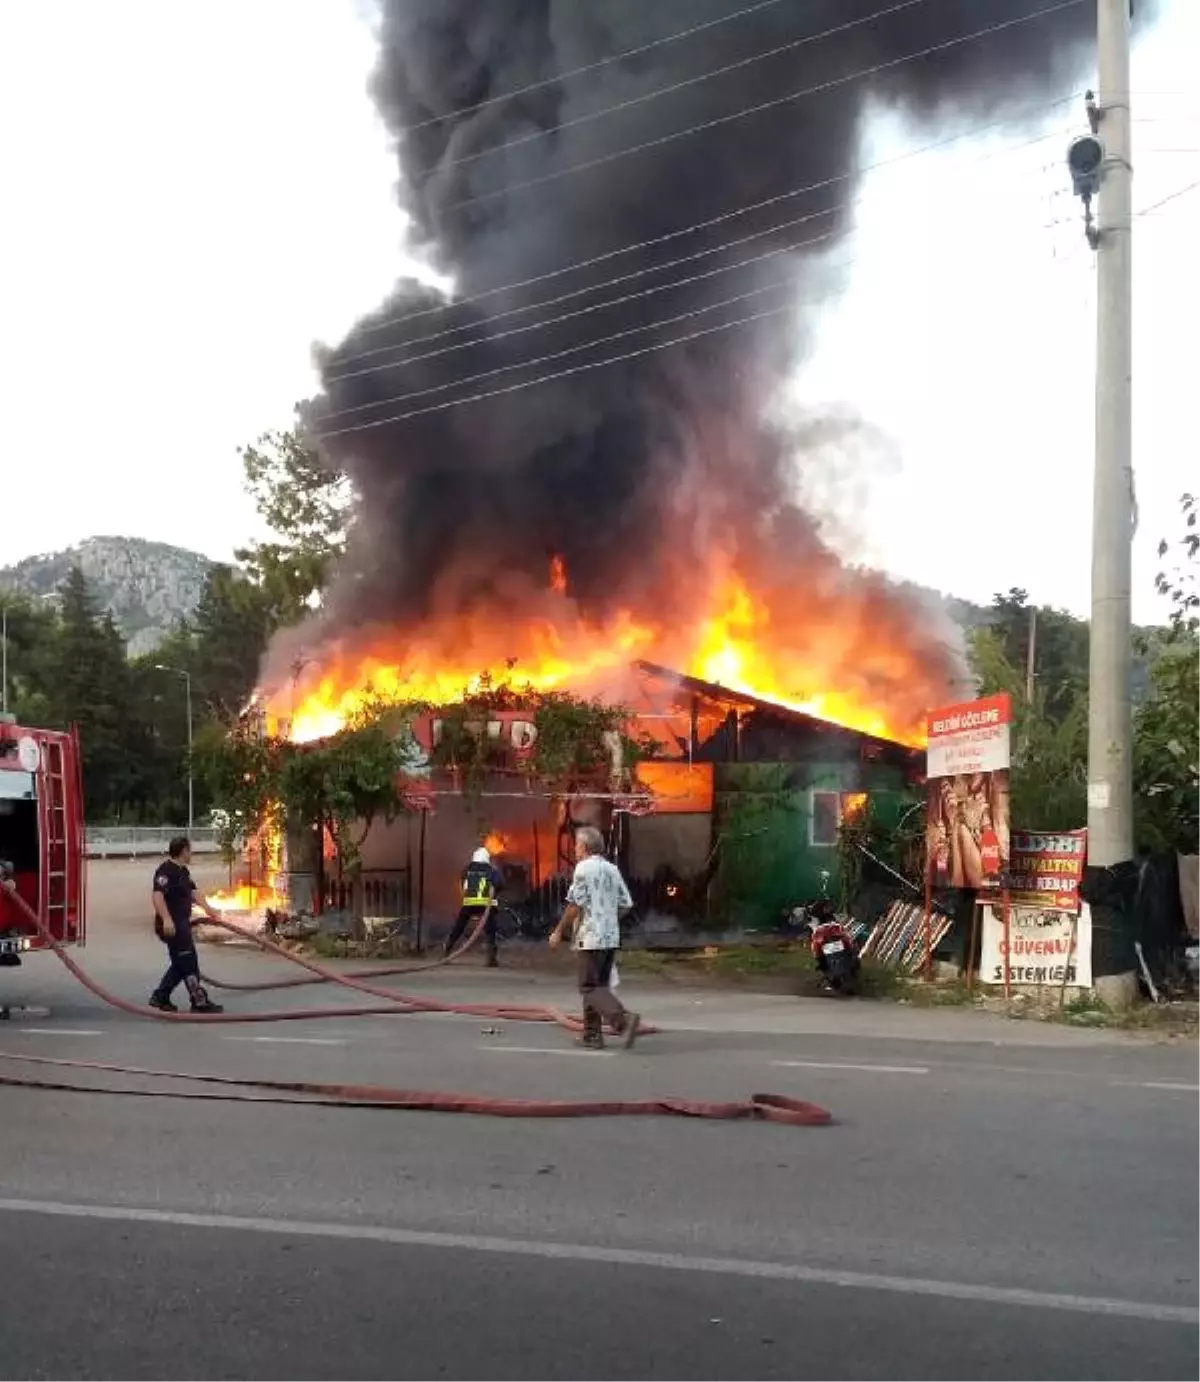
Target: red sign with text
[(1046, 868), (971, 737)]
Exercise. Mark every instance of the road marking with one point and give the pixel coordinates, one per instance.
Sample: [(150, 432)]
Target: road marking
[(290, 1041), (840, 1065), (1186, 1088), (584, 1252), (541, 1051), (59, 1031)]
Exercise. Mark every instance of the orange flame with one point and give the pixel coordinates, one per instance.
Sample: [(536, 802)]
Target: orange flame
[(558, 575), (845, 655), (262, 855), (246, 897)]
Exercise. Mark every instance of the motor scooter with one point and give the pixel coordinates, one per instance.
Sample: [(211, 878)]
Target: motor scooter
[(834, 952)]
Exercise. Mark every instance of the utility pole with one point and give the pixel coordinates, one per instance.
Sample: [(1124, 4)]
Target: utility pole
[(191, 766), (187, 682), (1110, 729), (1031, 657)]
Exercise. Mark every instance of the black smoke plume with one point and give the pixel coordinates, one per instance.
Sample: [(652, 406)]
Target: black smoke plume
[(640, 470)]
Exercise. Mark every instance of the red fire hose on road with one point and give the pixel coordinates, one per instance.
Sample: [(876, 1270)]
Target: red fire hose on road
[(766, 1108), (774, 1108), (395, 1003)]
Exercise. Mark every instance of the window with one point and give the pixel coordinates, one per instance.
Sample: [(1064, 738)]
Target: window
[(829, 810), (826, 817)]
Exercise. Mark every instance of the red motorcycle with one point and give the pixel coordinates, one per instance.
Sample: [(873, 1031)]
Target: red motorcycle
[(834, 952)]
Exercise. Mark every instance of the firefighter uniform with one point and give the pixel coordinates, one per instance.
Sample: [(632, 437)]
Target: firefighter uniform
[(173, 881), (481, 883)]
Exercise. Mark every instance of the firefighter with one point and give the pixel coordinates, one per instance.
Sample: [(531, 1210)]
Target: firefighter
[(481, 883), (175, 895)]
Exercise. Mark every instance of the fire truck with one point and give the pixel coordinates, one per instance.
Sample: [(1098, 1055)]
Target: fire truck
[(42, 838)]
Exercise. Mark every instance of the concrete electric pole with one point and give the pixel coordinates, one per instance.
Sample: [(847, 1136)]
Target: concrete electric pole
[(1101, 166)]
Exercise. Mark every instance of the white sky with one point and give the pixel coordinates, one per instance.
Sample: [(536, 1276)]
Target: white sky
[(193, 194)]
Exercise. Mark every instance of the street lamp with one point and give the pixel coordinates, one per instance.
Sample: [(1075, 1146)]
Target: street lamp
[(187, 682)]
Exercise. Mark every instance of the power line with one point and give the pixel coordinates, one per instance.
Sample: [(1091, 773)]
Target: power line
[(585, 345), (558, 374), (1151, 210), (597, 341), (597, 287), (1170, 197), (673, 87), (732, 214), (695, 228), (1142, 211), (591, 307), (483, 395), (589, 67), (778, 101)]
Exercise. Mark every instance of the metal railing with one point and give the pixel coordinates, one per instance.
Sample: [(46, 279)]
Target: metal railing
[(140, 841)]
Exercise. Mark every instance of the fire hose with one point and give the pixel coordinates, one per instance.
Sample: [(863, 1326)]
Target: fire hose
[(774, 1108)]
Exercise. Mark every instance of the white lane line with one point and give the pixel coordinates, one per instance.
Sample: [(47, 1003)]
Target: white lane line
[(541, 1051), (1164, 1084), (584, 1252), (290, 1041), (59, 1031), (840, 1065)]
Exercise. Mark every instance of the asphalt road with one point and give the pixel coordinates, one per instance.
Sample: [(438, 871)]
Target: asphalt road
[(995, 1200)]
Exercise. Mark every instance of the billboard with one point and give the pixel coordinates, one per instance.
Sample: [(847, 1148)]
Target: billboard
[(971, 737), (1046, 868), (1041, 945), (967, 842)]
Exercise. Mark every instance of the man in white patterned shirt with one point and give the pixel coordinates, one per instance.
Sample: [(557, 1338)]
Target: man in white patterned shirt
[(596, 902)]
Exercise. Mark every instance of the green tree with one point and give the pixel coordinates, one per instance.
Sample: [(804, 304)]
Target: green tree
[(1049, 764), (157, 729), (1167, 725), (32, 628), (305, 504), (1060, 647), (89, 685), (341, 785), (231, 626)]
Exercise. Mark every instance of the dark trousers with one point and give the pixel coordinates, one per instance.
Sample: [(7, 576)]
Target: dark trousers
[(468, 916), (600, 1003), (183, 969)]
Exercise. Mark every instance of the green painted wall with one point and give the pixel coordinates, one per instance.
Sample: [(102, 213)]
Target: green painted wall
[(762, 815)]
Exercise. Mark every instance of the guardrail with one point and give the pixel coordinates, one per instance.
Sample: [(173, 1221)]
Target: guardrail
[(139, 841)]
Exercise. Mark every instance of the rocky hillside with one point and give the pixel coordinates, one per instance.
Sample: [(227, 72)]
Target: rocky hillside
[(147, 586)]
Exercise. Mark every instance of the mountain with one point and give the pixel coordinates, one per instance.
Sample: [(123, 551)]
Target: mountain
[(147, 586)]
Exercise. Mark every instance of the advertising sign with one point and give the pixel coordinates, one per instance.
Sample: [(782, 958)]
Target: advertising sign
[(971, 737), (1046, 868), (967, 835), (1044, 945)]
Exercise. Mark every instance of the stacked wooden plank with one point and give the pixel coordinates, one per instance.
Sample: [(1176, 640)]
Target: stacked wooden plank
[(897, 939)]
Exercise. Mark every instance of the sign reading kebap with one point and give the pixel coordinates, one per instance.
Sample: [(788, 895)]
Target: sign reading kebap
[(1047, 868)]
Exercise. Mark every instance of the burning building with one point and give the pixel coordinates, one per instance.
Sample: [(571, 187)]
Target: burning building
[(730, 811), (577, 463)]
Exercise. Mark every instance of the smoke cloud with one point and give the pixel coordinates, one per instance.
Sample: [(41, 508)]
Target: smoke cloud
[(642, 472)]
